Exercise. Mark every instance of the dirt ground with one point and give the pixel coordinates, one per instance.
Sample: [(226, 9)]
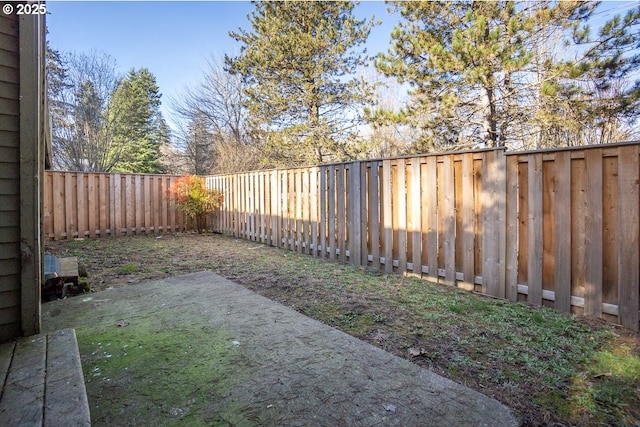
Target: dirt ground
[(550, 369)]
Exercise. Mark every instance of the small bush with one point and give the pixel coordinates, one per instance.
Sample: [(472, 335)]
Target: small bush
[(193, 197)]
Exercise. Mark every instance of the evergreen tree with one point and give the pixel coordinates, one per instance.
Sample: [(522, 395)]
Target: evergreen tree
[(490, 72), (139, 128), (297, 60)]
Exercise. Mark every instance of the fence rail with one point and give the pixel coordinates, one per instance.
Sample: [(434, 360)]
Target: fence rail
[(80, 204), (554, 228)]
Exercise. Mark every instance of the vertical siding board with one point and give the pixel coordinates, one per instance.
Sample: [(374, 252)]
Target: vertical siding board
[(562, 230), (534, 260), (387, 216), (628, 232), (593, 228)]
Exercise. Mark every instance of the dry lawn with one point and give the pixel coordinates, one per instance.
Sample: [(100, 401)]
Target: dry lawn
[(549, 368)]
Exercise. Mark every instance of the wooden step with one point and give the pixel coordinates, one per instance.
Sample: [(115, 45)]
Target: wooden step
[(42, 382)]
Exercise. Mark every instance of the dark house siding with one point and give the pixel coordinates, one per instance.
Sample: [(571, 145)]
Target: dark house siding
[(10, 267)]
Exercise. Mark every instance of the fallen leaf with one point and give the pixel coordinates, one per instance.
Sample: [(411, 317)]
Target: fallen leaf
[(415, 352)]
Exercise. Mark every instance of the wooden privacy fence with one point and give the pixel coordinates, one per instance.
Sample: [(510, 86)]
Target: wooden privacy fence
[(81, 204), (554, 228)]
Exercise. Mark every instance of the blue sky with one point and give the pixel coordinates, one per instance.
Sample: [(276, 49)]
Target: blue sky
[(172, 39)]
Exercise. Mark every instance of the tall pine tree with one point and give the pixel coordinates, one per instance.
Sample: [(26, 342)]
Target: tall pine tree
[(138, 126), (298, 60), (493, 72)]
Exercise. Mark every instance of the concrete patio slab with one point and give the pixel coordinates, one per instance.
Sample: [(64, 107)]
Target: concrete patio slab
[(293, 370)]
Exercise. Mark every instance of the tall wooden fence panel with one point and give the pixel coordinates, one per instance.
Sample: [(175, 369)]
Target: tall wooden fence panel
[(555, 228), (441, 216), (573, 227), (81, 204)]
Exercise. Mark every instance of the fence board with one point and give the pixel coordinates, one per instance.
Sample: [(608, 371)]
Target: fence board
[(431, 207), (341, 189), (82, 206), (69, 210), (534, 260), (374, 214), (331, 214), (593, 229), (313, 198), (468, 224), (449, 216), (364, 241), (354, 214), (562, 231), (387, 216), (400, 227), (511, 260), (91, 199), (628, 231), (416, 217), (323, 214)]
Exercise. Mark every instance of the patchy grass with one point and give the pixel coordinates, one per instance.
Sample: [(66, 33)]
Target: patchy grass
[(548, 367)]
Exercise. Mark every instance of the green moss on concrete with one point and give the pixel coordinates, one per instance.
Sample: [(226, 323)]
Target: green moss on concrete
[(179, 374)]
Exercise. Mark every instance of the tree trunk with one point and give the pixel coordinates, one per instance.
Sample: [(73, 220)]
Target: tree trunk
[(489, 117)]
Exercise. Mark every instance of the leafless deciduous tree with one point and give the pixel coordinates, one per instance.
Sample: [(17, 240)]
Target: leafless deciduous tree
[(211, 125), (81, 112)]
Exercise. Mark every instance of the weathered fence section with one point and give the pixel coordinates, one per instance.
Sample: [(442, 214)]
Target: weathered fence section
[(441, 215), (555, 228), (81, 204), (572, 223)]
